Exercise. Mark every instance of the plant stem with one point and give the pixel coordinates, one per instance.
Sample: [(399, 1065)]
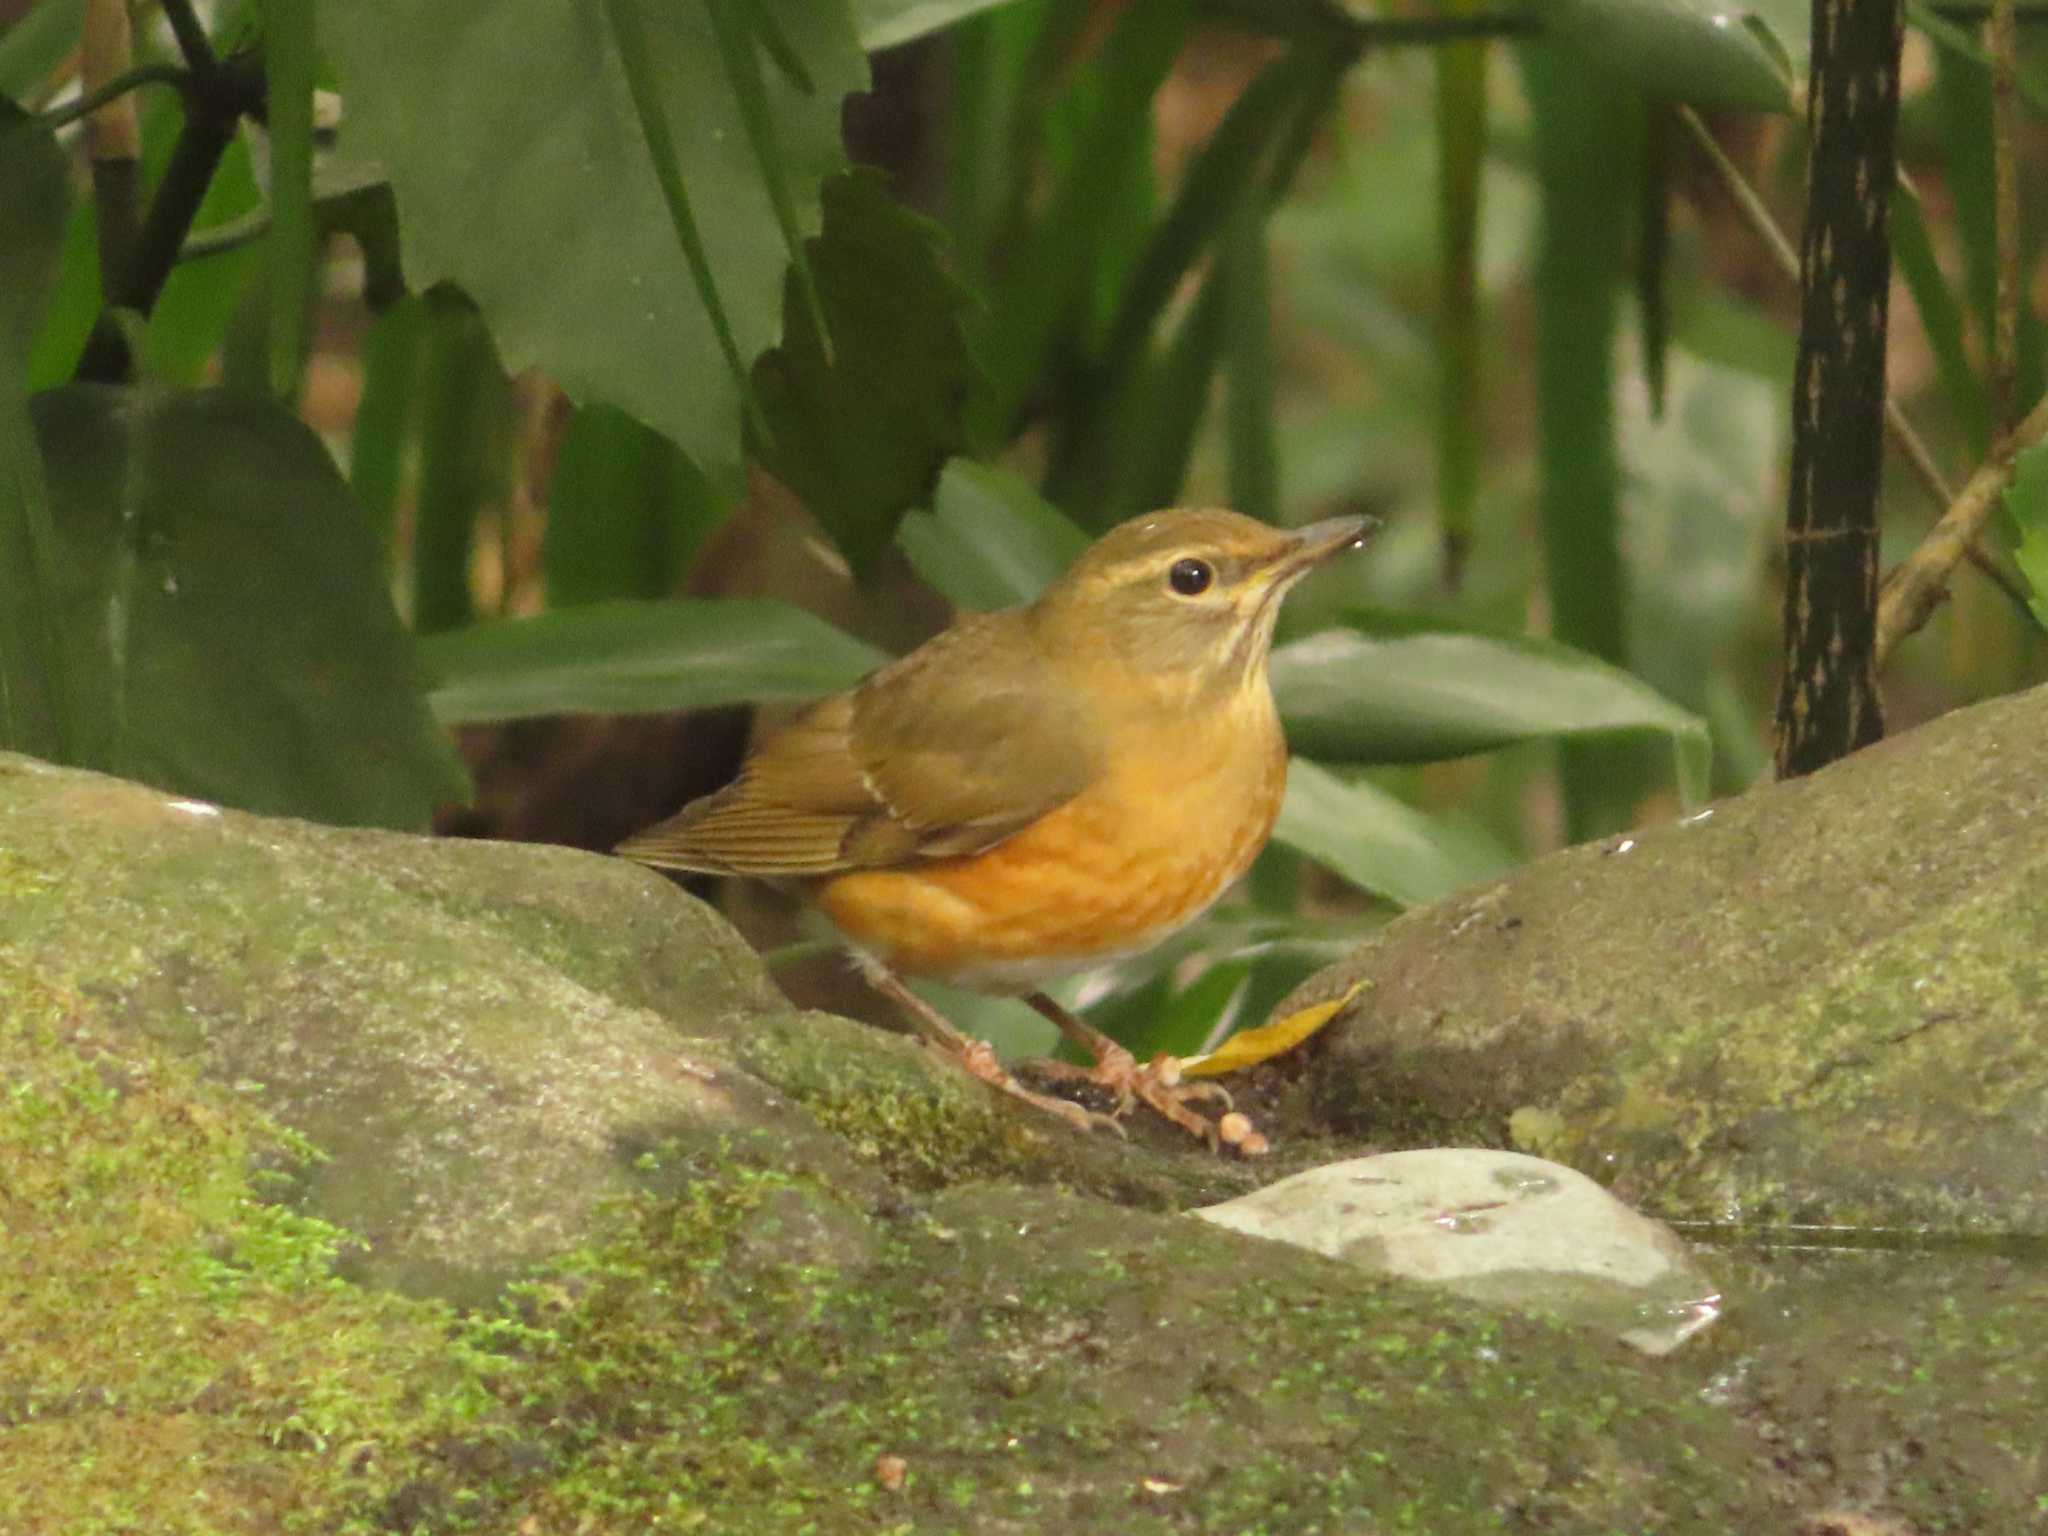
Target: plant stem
[(1828, 702), (121, 84), (191, 36), (214, 105), (1903, 437), (113, 131), (2005, 182), (1913, 589)]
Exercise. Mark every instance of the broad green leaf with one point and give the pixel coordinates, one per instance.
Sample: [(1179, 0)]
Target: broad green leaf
[(860, 430), (1710, 53), (38, 698), (2026, 501), (36, 194), (288, 69), (626, 511), (988, 542), (230, 608), (517, 155), (1379, 843), (640, 658), (1587, 138), (738, 25), (886, 23), (36, 44), (1396, 689)]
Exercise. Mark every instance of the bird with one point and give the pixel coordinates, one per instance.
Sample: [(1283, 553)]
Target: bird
[(1038, 790)]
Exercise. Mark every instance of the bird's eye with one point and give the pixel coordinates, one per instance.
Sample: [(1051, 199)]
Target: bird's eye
[(1190, 578)]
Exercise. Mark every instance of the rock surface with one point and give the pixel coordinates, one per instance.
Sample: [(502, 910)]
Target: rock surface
[(772, 1271), (1499, 1227), (1819, 1003)]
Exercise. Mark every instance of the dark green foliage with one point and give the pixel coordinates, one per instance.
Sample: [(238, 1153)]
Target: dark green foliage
[(232, 635), (36, 711), (860, 419)]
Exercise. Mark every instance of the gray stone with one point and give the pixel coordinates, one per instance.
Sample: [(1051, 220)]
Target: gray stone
[(1498, 1227)]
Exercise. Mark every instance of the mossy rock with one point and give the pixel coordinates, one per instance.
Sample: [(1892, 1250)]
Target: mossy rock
[(359, 1182), (478, 1038), (1820, 1003)]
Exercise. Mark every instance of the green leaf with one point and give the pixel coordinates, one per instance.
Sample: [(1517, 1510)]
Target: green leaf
[(862, 431), (640, 658), (1395, 689), (1587, 141), (1963, 114), (221, 588), (36, 44), (2026, 501), (1705, 52), (38, 696), (989, 541), (288, 70), (737, 31), (392, 355), (1169, 404), (1379, 843), (1040, 303), (516, 153), (1248, 402), (466, 424), (886, 23), (1461, 108), (626, 511)]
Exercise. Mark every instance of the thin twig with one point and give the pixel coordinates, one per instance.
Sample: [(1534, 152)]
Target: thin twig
[(215, 103), (1912, 590), (191, 36), (1897, 427), (129, 80), (113, 133), (2005, 181), (1765, 226)]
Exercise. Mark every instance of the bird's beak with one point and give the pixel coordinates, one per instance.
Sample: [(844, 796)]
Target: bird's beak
[(1317, 542)]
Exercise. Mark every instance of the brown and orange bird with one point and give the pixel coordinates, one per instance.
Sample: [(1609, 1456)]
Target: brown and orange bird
[(1038, 790)]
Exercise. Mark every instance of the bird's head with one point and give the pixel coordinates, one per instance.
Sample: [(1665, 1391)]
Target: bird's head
[(1181, 602)]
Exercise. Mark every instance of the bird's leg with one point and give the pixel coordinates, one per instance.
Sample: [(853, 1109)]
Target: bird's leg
[(1157, 1083), (977, 1056)]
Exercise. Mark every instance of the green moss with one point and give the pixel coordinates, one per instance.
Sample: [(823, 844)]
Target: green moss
[(687, 1373), (928, 1125), (177, 1357)]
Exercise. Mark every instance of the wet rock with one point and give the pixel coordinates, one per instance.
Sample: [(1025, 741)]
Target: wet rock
[(1817, 1003), (1498, 1227)]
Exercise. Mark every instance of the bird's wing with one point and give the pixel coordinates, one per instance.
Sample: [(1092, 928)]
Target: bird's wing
[(948, 751)]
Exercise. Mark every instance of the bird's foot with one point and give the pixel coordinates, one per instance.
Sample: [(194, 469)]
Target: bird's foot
[(1158, 1085), (979, 1058)]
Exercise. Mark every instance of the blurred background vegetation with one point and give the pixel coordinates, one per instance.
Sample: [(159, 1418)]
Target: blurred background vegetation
[(569, 378)]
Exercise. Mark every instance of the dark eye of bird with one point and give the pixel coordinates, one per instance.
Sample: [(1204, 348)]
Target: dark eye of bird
[(1190, 578)]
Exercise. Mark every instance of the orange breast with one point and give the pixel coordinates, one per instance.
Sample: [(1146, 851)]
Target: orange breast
[(1181, 814)]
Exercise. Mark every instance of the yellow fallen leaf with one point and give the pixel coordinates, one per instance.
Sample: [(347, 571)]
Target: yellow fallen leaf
[(1250, 1046)]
